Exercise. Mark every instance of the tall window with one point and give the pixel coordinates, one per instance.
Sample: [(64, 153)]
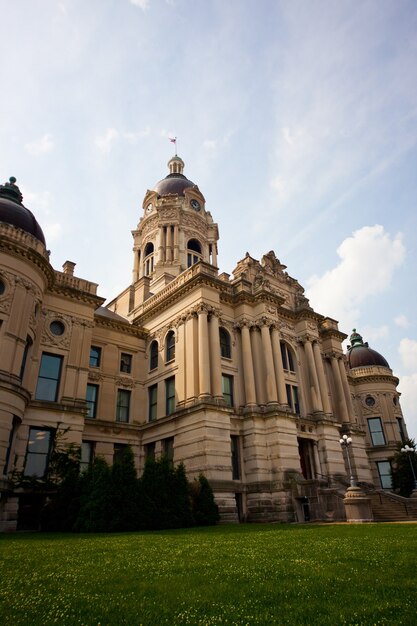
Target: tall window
[(123, 405), (12, 436), (49, 377), (227, 388), (153, 364), (148, 259), (401, 429), (87, 455), (287, 357), (234, 444), (193, 252), (152, 402), (225, 345), (170, 346), (125, 363), (170, 395), (95, 356), (118, 451), (149, 450), (168, 449), (384, 471), (92, 400), (38, 451), (25, 357), (376, 432), (292, 398)]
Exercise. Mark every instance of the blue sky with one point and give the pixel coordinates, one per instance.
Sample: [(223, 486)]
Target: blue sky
[(297, 119)]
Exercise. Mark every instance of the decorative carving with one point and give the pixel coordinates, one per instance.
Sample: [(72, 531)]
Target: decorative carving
[(272, 265), (125, 382), (95, 376)]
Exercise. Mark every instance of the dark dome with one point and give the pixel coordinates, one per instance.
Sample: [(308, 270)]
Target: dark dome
[(14, 213), (361, 355), (173, 183)]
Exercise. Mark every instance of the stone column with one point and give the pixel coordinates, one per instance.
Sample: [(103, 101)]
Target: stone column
[(339, 389), (161, 247), (346, 391), (271, 387), (214, 254), (168, 254), (279, 368), (324, 389), (203, 355), (249, 378), (215, 359), (258, 365), (135, 275), (191, 373), (176, 244), (181, 360), (314, 382)]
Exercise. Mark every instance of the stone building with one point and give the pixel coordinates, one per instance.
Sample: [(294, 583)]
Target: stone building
[(236, 376)]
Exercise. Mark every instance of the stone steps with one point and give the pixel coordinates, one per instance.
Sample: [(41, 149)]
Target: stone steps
[(386, 509)]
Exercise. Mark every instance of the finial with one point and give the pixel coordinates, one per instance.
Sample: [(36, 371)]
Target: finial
[(11, 191), (355, 339), (12, 180)]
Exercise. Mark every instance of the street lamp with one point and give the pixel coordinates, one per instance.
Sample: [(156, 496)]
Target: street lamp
[(410, 451), (345, 442)]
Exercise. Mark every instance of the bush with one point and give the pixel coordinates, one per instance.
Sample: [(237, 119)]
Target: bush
[(402, 475), (205, 510)]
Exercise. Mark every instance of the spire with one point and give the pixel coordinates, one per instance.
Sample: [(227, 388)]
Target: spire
[(11, 191)]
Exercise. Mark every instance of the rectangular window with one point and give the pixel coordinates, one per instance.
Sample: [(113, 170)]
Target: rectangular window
[(384, 471), (126, 363), (227, 388), (38, 450), (168, 449), (12, 436), (401, 429), (376, 432), (292, 398), (118, 450), (49, 377), (234, 443), (87, 455), (123, 405), (92, 400), (170, 395), (150, 450), (95, 356), (152, 402)]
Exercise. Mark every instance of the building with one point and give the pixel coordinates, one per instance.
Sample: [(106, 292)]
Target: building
[(236, 376)]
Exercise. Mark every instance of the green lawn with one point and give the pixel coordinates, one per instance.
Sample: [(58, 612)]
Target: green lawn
[(278, 574)]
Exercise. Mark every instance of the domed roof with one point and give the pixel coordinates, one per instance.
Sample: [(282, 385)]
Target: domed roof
[(361, 355), (13, 212), (175, 182)]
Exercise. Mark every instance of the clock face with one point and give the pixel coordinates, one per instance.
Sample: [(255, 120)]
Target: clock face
[(195, 204), (149, 208)]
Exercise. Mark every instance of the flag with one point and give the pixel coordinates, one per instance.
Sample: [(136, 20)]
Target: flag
[(173, 139)]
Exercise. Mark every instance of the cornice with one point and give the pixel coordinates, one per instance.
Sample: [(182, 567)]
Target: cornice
[(141, 333), (22, 248)]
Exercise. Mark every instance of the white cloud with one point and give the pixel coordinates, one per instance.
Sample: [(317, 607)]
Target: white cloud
[(408, 390), (134, 137), (374, 333), (408, 353), (142, 4), (41, 146), (401, 321), (368, 260), (104, 143)]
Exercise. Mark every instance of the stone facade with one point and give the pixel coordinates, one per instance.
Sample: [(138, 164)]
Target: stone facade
[(236, 376)]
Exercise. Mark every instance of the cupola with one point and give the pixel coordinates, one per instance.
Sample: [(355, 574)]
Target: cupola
[(14, 213), (361, 355)]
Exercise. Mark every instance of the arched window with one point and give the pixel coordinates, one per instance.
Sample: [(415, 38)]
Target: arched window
[(194, 254), (153, 355), (170, 346), (225, 344), (148, 259), (288, 360)]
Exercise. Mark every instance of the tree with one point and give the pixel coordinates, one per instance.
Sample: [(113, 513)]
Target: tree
[(402, 475), (95, 512), (205, 509), (124, 493)]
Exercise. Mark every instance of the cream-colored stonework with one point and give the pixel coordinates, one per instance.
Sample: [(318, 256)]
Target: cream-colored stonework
[(236, 376)]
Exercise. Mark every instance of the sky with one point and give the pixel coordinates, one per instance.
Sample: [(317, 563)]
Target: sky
[(297, 119)]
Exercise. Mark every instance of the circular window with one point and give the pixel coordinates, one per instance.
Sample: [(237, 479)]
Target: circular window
[(369, 401), (57, 328), (2, 287)]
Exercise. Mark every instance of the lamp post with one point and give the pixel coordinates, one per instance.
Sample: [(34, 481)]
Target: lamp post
[(345, 442), (409, 451)]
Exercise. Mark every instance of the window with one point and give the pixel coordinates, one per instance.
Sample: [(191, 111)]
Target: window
[(227, 388), (87, 455), (153, 355), (193, 252), (168, 449), (148, 260), (234, 443), (170, 346), (38, 450), (170, 395), (95, 356), (123, 405), (150, 450), (57, 328), (225, 347), (118, 451), (376, 432), (92, 400), (25, 357), (153, 402), (292, 398), (49, 377), (401, 429), (125, 363), (12, 436), (287, 357), (384, 471)]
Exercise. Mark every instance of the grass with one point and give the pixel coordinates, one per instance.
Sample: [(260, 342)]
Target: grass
[(234, 575)]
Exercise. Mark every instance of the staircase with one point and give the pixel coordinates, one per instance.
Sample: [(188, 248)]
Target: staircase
[(389, 507)]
